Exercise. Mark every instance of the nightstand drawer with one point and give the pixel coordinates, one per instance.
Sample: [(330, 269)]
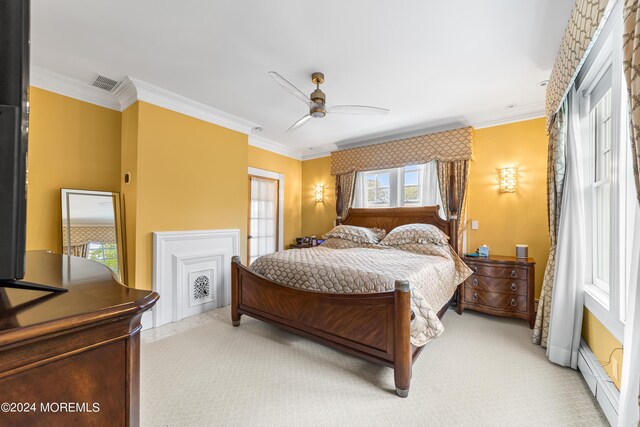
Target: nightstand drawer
[(496, 300), (492, 284), (500, 272)]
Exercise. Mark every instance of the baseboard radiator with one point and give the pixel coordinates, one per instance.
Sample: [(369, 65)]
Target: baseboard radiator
[(599, 383)]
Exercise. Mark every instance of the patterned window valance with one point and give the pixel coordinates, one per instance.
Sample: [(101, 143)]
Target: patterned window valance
[(587, 18), (445, 146), (81, 235)]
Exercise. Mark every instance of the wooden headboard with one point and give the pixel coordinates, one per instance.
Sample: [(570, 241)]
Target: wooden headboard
[(390, 218)]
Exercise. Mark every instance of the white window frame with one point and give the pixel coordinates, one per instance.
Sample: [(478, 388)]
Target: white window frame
[(608, 307), (396, 190), (393, 183), (402, 172)]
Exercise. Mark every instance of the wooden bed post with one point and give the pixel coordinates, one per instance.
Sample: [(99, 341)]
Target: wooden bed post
[(453, 205), (402, 357), (235, 291)]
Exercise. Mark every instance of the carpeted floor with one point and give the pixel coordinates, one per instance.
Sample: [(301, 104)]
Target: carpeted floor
[(483, 371)]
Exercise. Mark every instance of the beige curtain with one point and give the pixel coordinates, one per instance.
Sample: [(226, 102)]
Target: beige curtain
[(346, 182), (632, 74), (556, 163), (462, 177)]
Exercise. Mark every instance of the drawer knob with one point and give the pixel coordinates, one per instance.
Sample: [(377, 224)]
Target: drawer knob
[(514, 274), (475, 282), (513, 302), (514, 287), (475, 296), (475, 268)]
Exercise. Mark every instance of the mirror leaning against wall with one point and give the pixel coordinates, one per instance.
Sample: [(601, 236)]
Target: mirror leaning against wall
[(92, 229)]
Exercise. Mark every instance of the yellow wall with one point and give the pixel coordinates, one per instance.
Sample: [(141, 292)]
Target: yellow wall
[(192, 175), (292, 171), (506, 219), (317, 218), (72, 144), (129, 164)]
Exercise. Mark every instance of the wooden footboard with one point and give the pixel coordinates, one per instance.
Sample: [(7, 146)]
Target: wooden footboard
[(375, 327)]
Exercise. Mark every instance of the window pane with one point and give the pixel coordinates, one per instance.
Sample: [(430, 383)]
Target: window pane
[(411, 193), (602, 234), (601, 185), (411, 178), (383, 180), (371, 181)]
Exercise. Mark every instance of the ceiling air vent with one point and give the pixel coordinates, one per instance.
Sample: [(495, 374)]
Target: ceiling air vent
[(105, 83)]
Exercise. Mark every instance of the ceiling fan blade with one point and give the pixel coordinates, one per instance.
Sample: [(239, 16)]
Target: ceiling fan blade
[(358, 109), (290, 88), (299, 123)]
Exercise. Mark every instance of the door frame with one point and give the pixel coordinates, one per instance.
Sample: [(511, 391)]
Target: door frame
[(262, 173)]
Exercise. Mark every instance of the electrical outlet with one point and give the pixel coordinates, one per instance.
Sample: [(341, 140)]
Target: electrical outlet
[(614, 368), (474, 224)]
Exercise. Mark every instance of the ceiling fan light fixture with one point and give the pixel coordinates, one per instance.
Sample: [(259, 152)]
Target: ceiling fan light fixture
[(317, 111), (318, 97)]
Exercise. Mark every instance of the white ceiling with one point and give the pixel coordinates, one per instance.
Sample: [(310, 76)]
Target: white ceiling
[(435, 64)]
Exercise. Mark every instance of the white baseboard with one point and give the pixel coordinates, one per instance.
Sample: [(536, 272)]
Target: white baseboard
[(147, 320), (599, 382)]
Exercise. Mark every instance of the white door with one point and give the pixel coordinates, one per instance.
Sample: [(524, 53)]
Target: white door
[(263, 216)]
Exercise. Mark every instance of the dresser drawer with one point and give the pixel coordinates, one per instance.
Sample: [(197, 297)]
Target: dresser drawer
[(492, 284), (499, 271), (496, 300)]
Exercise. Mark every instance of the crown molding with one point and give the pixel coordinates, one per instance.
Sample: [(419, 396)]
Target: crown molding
[(318, 155), (132, 90), (517, 114), (72, 88), (266, 144), (521, 113)]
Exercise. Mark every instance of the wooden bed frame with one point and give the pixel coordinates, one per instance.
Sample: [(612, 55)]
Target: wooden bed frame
[(373, 326)]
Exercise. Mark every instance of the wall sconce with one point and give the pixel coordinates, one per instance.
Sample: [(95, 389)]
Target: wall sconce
[(508, 180), (319, 193)]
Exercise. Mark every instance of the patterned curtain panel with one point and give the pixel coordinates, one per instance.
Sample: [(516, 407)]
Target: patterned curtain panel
[(585, 22), (347, 183), (445, 146), (632, 74), (628, 411), (462, 177), (555, 185)]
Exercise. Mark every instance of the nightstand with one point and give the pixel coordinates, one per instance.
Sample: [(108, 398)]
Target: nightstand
[(500, 285), (300, 246)]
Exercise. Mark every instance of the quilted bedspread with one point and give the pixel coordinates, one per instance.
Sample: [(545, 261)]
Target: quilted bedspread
[(345, 267)]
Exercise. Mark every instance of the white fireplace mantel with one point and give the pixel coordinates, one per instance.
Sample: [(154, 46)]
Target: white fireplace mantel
[(192, 272)]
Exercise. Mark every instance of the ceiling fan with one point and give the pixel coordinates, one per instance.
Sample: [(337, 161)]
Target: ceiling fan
[(316, 102)]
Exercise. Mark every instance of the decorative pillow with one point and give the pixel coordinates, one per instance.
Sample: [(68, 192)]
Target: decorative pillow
[(415, 233), (355, 234), (339, 243), (379, 232)]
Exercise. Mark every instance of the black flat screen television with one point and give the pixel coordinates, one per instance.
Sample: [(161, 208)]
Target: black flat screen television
[(14, 135)]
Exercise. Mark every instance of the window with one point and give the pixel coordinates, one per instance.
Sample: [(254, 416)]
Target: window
[(608, 203), (378, 189), (600, 183), (415, 185), (104, 253)]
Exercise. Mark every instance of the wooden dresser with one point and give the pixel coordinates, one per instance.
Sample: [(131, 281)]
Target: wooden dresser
[(500, 285), (73, 357)]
